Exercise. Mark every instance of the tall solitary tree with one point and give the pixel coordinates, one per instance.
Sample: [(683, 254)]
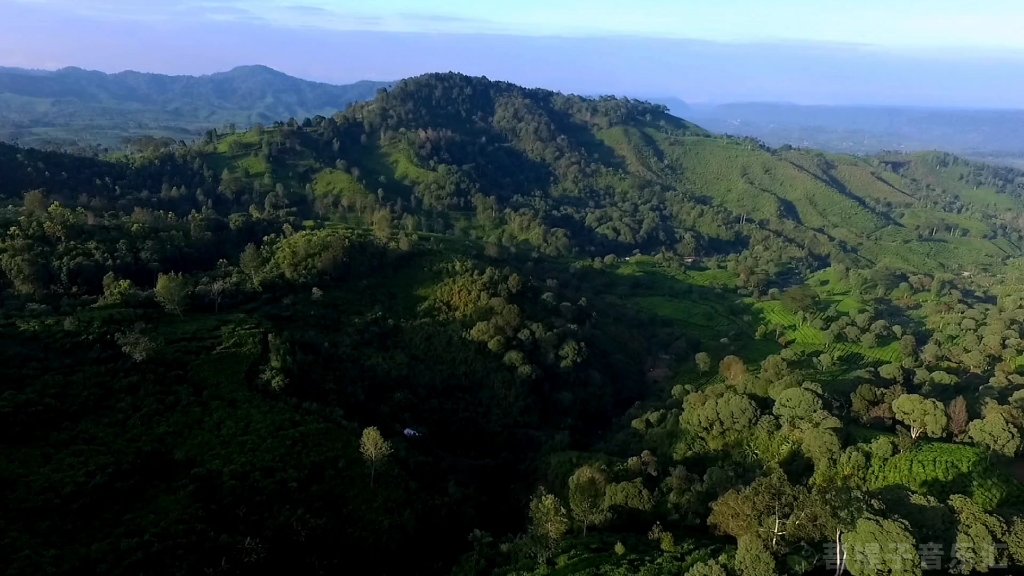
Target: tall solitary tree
[(958, 417), (217, 291), (587, 488), (375, 449), (549, 523), (251, 262)]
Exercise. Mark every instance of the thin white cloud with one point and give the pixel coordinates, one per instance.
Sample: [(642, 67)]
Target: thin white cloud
[(903, 24)]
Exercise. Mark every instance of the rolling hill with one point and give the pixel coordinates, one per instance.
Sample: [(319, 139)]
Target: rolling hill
[(604, 175)]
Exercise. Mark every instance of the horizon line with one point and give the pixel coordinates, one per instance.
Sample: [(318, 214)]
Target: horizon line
[(645, 96)]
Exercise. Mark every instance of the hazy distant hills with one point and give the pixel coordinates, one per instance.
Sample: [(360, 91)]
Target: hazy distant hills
[(869, 129), (72, 104)]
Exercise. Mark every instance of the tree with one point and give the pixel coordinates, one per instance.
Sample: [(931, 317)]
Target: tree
[(732, 368), (1015, 540), (828, 338), (869, 340), (881, 547), (797, 406), (864, 400), (977, 535), (703, 360), (767, 510), (116, 291), (923, 415), (251, 263), (958, 417), (891, 372), (549, 523), (841, 272), (880, 328), (825, 362), (217, 290), (172, 292), (374, 448), (720, 419), (382, 224), (823, 446), (36, 203), (995, 433), (976, 360), (829, 511), (800, 298), (908, 345), (587, 488)]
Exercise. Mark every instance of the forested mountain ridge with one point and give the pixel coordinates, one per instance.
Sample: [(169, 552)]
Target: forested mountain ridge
[(470, 328), (561, 174), (613, 175), (91, 106)]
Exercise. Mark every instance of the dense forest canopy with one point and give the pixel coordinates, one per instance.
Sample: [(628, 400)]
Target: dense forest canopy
[(470, 328)]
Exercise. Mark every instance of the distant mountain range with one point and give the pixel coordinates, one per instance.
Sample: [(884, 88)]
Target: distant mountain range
[(74, 105)]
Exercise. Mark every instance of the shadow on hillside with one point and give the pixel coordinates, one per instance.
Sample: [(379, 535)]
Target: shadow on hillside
[(841, 187), (676, 316)]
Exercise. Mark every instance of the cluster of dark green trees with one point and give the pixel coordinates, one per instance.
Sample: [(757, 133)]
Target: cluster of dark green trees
[(785, 468)]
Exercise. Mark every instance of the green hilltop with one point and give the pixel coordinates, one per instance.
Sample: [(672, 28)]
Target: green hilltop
[(615, 175)]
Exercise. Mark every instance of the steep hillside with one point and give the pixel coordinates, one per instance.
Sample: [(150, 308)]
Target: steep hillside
[(90, 106)]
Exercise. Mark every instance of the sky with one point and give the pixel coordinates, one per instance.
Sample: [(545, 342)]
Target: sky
[(908, 52)]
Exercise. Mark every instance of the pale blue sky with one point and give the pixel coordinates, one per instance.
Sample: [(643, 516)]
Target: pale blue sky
[(893, 23), (924, 52)]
